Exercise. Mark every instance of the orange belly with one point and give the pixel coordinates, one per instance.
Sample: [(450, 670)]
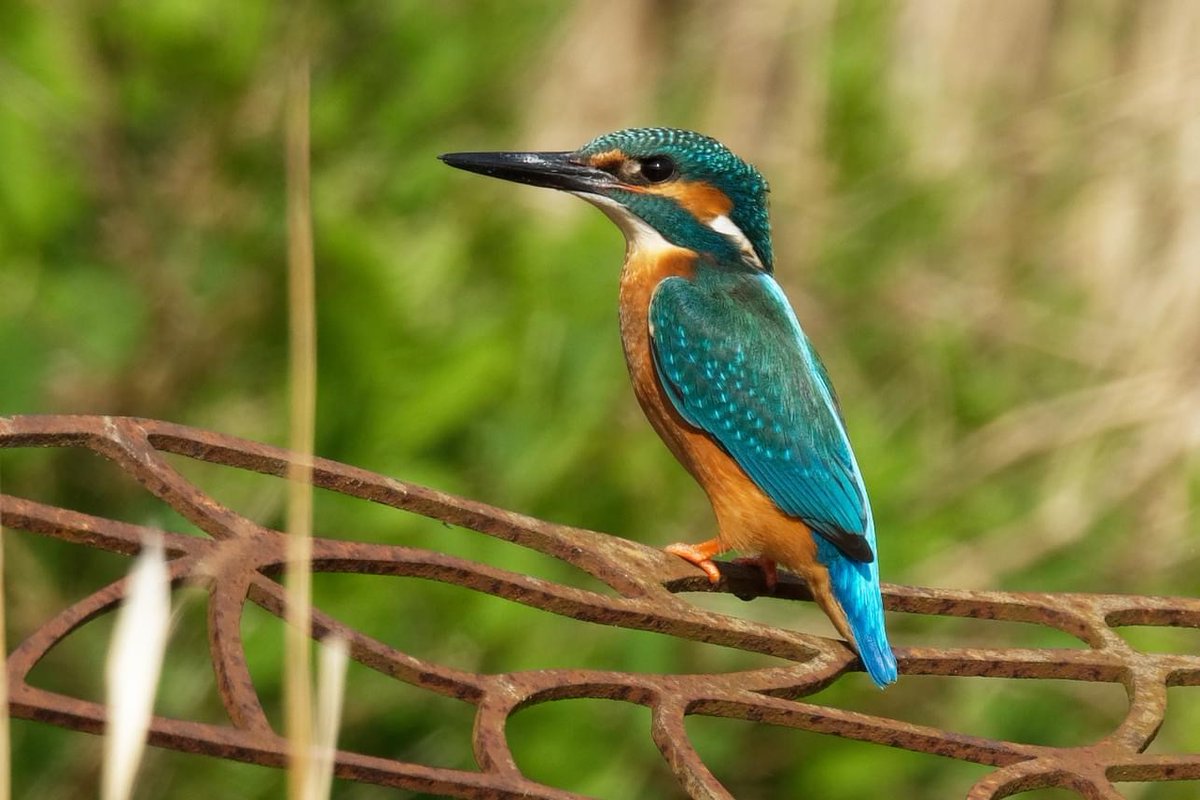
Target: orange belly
[(747, 519)]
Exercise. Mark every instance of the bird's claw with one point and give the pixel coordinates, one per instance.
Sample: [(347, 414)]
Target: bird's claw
[(699, 554)]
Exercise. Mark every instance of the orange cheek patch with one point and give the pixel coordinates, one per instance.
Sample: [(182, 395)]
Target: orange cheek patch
[(608, 159), (703, 200)]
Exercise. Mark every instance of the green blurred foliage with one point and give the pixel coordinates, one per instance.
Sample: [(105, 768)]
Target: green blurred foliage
[(981, 214)]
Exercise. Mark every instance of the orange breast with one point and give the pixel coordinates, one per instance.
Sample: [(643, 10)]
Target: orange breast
[(747, 519)]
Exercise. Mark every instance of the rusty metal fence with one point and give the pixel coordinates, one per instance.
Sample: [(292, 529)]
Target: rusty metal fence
[(241, 560)]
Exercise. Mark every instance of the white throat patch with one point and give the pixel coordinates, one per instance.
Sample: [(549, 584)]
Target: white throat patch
[(639, 236)]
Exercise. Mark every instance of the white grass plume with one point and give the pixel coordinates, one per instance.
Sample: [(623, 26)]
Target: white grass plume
[(135, 659), (331, 684)]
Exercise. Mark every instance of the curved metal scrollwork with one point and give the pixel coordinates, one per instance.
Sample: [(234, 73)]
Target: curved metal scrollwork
[(237, 563)]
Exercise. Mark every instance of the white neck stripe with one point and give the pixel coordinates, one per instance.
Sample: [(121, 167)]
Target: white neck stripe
[(643, 238), (724, 225)]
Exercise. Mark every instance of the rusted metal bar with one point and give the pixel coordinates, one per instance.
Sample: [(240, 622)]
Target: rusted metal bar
[(238, 564)]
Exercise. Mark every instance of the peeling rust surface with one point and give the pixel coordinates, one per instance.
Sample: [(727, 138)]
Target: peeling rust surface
[(240, 560)]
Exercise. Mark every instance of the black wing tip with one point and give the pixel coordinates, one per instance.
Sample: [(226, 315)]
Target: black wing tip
[(853, 546)]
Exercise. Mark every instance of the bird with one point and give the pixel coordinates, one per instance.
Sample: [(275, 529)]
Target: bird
[(721, 366)]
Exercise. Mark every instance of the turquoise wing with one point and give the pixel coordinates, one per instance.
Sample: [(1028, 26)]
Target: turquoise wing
[(735, 363)]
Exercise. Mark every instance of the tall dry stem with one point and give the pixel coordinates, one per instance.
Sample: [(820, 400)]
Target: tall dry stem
[(302, 351)]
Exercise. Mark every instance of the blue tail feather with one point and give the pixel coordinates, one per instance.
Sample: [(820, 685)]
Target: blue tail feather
[(855, 586)]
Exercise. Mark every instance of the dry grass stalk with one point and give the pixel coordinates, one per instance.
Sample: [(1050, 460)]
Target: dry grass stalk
[(298, 686)]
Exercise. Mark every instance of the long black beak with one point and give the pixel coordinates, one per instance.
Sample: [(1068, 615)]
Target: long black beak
[(553, 170)]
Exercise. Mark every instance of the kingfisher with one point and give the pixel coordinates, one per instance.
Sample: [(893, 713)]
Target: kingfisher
[(722, 368)]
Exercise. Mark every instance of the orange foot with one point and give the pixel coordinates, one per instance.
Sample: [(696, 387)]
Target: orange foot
[(767, 565), (701, 555)]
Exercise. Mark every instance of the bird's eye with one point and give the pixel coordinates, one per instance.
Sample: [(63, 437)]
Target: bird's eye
[(657, 169)]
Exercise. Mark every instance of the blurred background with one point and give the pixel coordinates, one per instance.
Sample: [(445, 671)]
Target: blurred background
[(986, 214)]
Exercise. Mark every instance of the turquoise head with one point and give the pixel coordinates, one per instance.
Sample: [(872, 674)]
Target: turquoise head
[(686, 188)]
